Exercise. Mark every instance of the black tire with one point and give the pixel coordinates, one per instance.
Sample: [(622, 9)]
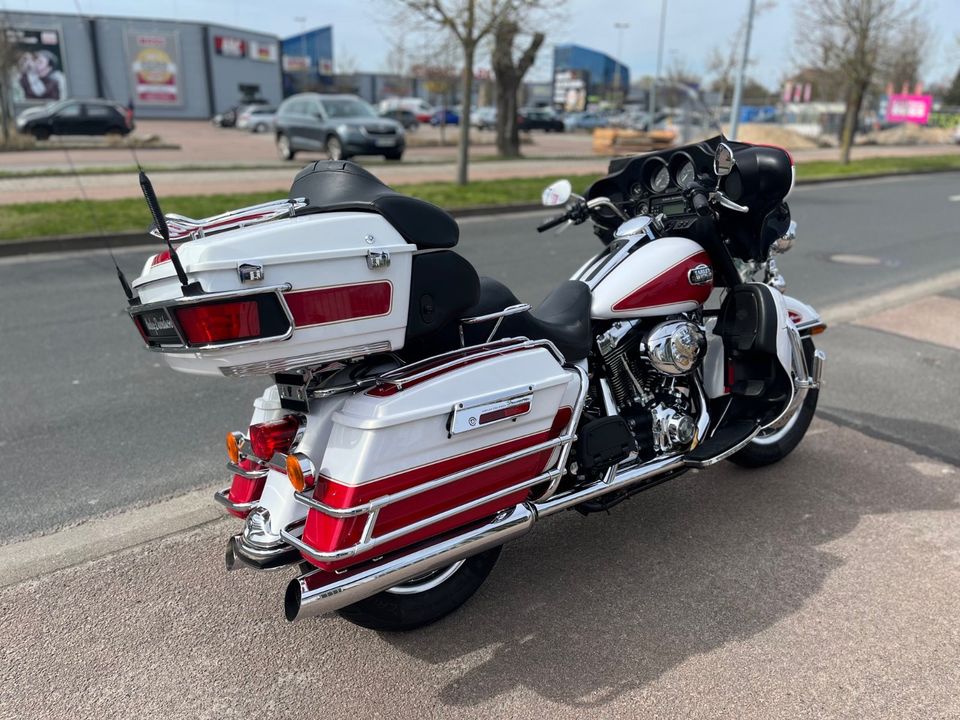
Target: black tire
[(394, 612), (259, 127), (777, 445), (394, 155), (285, 148), (41, 133)]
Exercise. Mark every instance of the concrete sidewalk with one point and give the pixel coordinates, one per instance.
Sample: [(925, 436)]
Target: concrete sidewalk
[(823, 586)]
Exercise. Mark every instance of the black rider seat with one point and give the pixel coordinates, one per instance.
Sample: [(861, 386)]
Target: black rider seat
[(563, 317), (337, 185)]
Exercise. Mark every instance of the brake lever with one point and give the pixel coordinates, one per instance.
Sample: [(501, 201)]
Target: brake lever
[(717, 196)]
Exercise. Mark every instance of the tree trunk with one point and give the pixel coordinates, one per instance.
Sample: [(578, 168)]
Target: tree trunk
[(509, 77), (850, 118), (463, 154), (508, 135)]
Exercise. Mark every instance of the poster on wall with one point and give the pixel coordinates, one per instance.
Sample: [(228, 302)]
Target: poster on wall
[(229, 46), (265, 52), (155, 67), (37, 69)]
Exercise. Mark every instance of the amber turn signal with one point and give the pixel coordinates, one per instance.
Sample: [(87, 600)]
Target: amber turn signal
[(295, 473), (233, 448)]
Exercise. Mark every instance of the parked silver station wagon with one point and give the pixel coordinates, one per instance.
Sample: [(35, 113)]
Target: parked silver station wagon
[(339, 125)]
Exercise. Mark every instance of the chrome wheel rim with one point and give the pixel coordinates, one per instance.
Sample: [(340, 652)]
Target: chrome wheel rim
[(334, 150), (284, 146), (427, 581)]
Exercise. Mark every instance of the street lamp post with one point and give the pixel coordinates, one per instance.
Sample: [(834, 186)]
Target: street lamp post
[(656, 78), (738, 87), (620, 27), (303, 50)]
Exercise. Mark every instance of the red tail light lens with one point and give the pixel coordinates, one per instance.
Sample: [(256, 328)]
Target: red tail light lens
[(220, 322), (274, 436)]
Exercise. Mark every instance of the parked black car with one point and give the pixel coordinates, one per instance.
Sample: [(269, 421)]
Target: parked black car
[(405, 117), (76, 117), (339, 125), (539, 119)]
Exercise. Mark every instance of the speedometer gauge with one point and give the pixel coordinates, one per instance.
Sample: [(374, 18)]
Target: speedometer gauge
[(660, 180), (686, 175)]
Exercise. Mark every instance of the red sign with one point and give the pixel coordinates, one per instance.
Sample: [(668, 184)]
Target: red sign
[(230, 46)]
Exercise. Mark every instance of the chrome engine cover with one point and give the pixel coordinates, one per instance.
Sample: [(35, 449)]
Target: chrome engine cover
[(676, 347)]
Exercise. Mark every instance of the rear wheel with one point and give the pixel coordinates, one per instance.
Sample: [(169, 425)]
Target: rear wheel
[(41, 133), (774, 445), (423, 600), (396, 155)]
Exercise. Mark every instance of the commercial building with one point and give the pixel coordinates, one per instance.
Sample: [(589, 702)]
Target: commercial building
[(308, 62), (165, 68), (582, 76)]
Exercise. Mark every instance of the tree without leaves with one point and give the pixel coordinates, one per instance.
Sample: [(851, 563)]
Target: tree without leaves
[(9, 53), (851, 38), (470, 22), (510, 74)]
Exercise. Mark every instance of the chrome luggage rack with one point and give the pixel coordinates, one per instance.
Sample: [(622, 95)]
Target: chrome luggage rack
[(182, 227), (411, 374)]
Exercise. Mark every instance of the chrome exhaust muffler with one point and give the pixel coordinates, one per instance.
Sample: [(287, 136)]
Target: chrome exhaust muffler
[(318, 591)]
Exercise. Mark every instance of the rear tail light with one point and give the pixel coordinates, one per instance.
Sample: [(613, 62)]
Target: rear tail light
[(220, 322), (274, 436)]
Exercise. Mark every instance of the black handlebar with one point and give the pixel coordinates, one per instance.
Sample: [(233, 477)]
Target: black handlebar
[(698, 196), (552, 223)]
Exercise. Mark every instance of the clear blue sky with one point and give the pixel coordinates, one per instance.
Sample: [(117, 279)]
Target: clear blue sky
[(693, 27)]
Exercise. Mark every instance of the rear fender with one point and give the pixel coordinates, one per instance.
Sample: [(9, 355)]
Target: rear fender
[(804, 317)]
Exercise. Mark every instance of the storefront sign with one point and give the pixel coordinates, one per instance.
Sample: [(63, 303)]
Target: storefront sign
[(909, 108), (265, 52), (296, 63), (229, 46), (155, 68), (36, 73)]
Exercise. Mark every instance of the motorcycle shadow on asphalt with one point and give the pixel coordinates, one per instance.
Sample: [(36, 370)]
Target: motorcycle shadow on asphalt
[(584, 610)]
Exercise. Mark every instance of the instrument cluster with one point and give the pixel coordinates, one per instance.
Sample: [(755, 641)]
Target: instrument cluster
[(657, 175)]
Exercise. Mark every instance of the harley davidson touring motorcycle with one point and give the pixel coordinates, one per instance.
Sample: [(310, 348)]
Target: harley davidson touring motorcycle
[(419, 416)]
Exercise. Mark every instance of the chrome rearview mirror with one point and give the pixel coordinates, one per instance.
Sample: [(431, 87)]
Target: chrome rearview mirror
[(557, 193), (723, 162)]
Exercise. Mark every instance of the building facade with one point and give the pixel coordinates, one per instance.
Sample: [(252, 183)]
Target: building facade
[(164, 68), (308, 62), (582, 76)]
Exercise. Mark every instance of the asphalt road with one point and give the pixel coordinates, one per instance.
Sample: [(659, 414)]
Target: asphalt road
[(91, 423), (824, 586)]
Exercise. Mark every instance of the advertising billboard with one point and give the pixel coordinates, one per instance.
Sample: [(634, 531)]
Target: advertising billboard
[(229, 46), (909, 108), (155, 68), (37, 71), (265, 52), (570, 90)]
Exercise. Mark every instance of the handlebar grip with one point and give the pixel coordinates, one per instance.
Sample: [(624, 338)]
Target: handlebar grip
[(700, 204), (552, 223)]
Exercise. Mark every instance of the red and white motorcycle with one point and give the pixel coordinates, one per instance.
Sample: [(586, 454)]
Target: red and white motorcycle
[(420, 416)]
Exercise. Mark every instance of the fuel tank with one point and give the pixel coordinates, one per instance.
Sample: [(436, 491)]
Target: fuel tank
[(668, 275)]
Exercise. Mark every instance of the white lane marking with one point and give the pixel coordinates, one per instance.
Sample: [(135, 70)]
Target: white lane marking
[(73, 254), (955, 198), (853, 310), (104, 536)]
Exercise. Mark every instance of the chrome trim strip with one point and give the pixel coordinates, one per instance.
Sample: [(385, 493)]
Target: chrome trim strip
[(304, 498), (223, 497), (288, 533), (217, 295), (269, 367), (307, 597), (248, 474)]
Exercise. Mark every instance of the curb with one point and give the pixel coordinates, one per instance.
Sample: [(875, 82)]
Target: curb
[(67, 243)]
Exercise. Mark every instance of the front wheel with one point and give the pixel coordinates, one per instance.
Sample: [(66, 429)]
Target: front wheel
[(424, 600), (770, 447)]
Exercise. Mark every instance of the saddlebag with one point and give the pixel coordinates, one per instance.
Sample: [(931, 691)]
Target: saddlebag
[(436, 445)]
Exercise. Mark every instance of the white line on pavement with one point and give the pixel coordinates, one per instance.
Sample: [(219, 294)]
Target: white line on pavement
[(955, 198)]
